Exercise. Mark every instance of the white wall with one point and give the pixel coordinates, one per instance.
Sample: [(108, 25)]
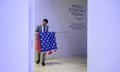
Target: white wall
[(74, 42), (31, 34), (104, 35), (14, 36)]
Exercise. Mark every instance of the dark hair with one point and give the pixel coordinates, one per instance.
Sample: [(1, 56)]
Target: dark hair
[(46, 20)]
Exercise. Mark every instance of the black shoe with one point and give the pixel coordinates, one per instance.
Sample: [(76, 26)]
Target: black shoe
[(38, 61), (43, 64)]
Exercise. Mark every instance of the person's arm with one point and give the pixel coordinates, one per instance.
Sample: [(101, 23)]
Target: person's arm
[(37, 31)]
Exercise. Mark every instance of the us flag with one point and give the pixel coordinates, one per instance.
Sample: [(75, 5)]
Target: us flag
[(48, 42)]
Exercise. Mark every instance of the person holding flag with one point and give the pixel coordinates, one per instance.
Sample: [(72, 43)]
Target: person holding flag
[(45, 41), (42, 28)]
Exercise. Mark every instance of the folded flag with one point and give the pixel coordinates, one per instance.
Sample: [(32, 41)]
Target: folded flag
[(48, 42)]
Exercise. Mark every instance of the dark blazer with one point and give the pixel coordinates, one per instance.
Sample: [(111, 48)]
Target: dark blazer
[(39, 28)]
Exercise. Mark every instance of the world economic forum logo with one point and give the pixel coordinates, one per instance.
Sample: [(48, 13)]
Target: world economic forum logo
[(77, 11)]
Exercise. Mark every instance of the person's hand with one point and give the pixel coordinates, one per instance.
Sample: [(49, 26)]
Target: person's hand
[(55, 33)]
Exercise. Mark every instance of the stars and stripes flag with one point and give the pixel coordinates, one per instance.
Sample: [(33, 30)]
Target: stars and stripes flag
[(48, 42)]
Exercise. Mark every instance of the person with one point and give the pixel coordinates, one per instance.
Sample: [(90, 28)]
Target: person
[(41, 28)]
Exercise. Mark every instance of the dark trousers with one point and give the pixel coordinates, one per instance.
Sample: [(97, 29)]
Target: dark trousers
[(43, 57)]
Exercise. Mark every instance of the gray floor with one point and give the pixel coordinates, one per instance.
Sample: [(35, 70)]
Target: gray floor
[(66, 64)]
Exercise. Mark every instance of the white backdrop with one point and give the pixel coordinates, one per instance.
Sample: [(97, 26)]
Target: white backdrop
[(73, 41)]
